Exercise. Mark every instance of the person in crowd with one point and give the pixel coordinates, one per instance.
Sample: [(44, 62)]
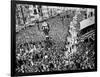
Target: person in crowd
[(45, 28)]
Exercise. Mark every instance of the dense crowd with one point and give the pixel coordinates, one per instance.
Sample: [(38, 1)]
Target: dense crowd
[(50, 56)]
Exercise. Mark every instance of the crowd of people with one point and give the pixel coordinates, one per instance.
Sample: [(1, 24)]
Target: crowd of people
[(52, 55), (39, 57)]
